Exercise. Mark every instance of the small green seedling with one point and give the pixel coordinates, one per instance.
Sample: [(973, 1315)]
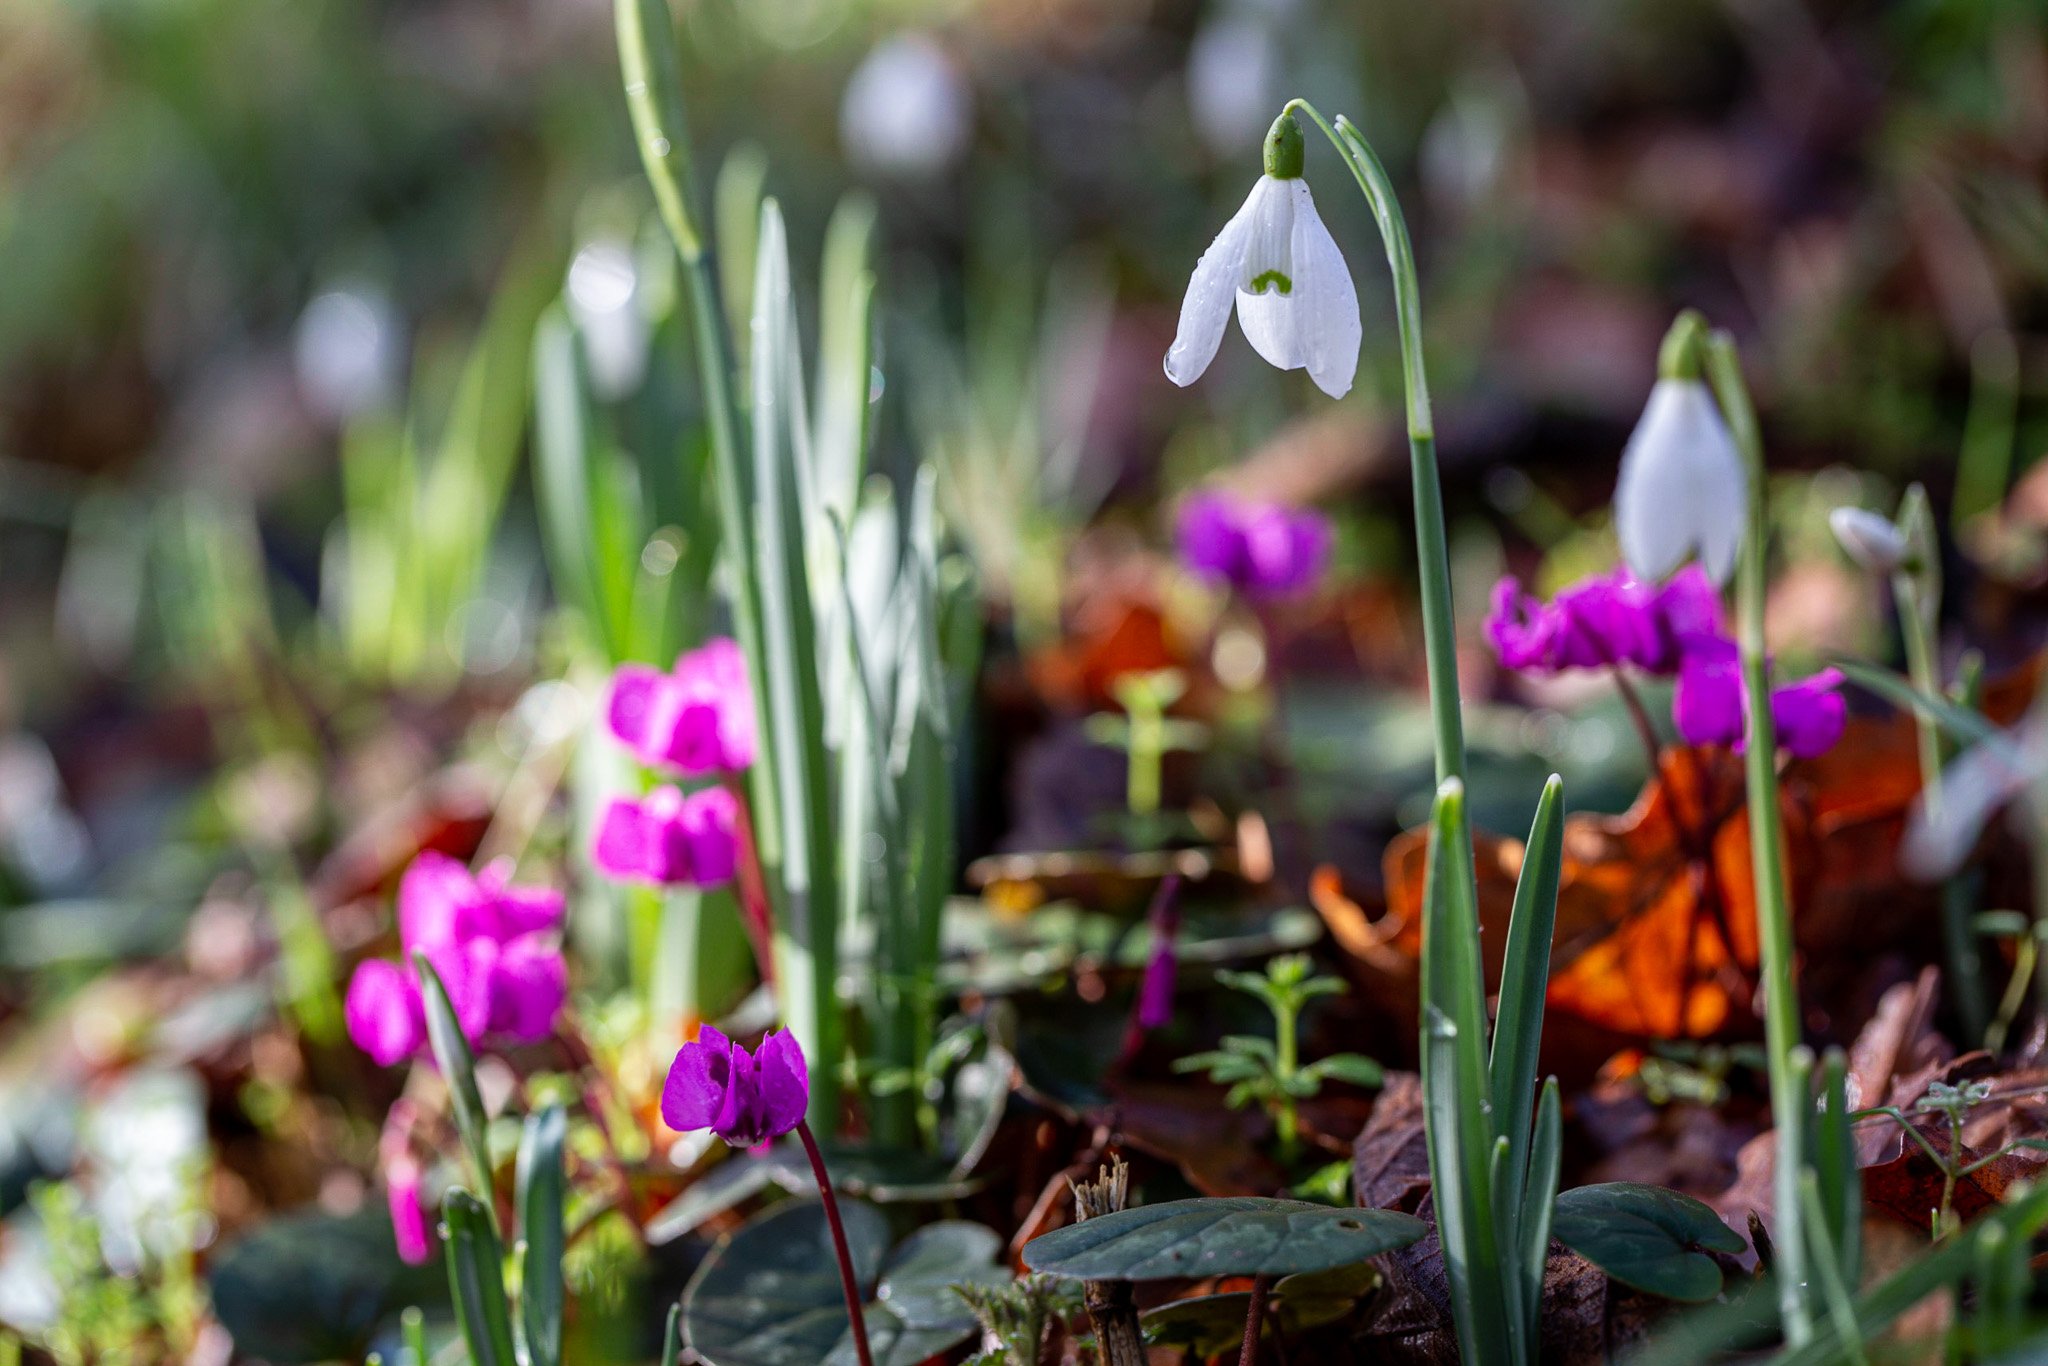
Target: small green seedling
[(1269, 1071), (1953, 1103), (1147, 735)]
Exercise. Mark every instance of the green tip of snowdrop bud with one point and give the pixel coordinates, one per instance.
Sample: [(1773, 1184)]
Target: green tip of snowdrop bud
[(1683, 354), (1873, 541), (1284, 149)]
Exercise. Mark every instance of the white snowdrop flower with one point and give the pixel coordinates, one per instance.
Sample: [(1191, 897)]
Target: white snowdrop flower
[(1277, 262), (604, 299), (1683, 492), (907, 111), (1233, 70), (345, 351), (1871, 539), (1974, 787)]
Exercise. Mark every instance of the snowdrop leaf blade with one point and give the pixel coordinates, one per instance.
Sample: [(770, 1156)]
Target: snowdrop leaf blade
[(1205, 309)]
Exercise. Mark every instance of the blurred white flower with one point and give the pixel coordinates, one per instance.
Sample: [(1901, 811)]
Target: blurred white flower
[(1294, 296), (604, 300), (1872, 540), (345, 350), (1682, 491), (907, 109), (1981, 780), (1233, 71)]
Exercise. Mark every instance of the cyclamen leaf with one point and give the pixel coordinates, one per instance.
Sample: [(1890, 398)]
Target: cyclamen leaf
[(1229, 1236), (1653, 1239)]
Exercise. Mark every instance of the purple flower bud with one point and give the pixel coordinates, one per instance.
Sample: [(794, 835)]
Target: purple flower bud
[(383, 1012), (408, 1217), (745, 1099), (670, 838), (1155, 995), (1259, 549), (1708, 704), (490, 944), (1604, 621), (1810, 715), (697, 719)]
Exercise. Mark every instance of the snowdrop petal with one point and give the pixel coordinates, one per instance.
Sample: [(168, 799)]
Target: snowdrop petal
[(1980, 780), (1269, 296), (1682, 489), (1326, 301), (1205, 310)]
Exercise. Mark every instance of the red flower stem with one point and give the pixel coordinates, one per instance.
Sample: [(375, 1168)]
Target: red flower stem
[(753, 886), (846, 1280), (1254, 1320)]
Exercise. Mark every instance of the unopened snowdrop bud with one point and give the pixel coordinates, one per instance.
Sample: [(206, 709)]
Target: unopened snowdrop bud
[(1873, 541), (604, 299), (907, 111), (1682, 491), (1278, 263)]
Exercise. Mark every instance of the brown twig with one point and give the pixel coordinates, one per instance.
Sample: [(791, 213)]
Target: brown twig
[(1112, 1306)]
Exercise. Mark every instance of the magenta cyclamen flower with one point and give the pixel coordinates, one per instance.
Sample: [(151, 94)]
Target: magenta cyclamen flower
[(744, 1098), (1707, 705), (1602, 621), (670, 838), (404, 1185), (1260, 549), (491, 945), (697, 718)]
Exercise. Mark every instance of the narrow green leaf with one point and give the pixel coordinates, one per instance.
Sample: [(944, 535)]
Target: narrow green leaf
[(1839, 1178), (458, 1069), (541, 1187), (561, 469), (477, 1278), (1828, 1271), (807, 925), (654, 99), (1539, 1197), (1454, 1082), (672, 1335), (1961, 723), (1525, 978)]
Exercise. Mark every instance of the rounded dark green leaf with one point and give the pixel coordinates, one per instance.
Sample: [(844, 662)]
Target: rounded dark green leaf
[(313, 1286), (1228, 1236), (1647, 1237), (770, 1295)]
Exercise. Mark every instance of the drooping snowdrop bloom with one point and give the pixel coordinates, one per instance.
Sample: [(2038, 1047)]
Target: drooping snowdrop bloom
[(1682, 492), (490, 943), (1980, 781), (345, 349), (1871, 539), (1262, 550), (1281, 268), (671, 839), (745, 1098)]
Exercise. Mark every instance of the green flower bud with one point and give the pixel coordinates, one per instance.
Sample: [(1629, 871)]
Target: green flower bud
[(1284, 149)]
